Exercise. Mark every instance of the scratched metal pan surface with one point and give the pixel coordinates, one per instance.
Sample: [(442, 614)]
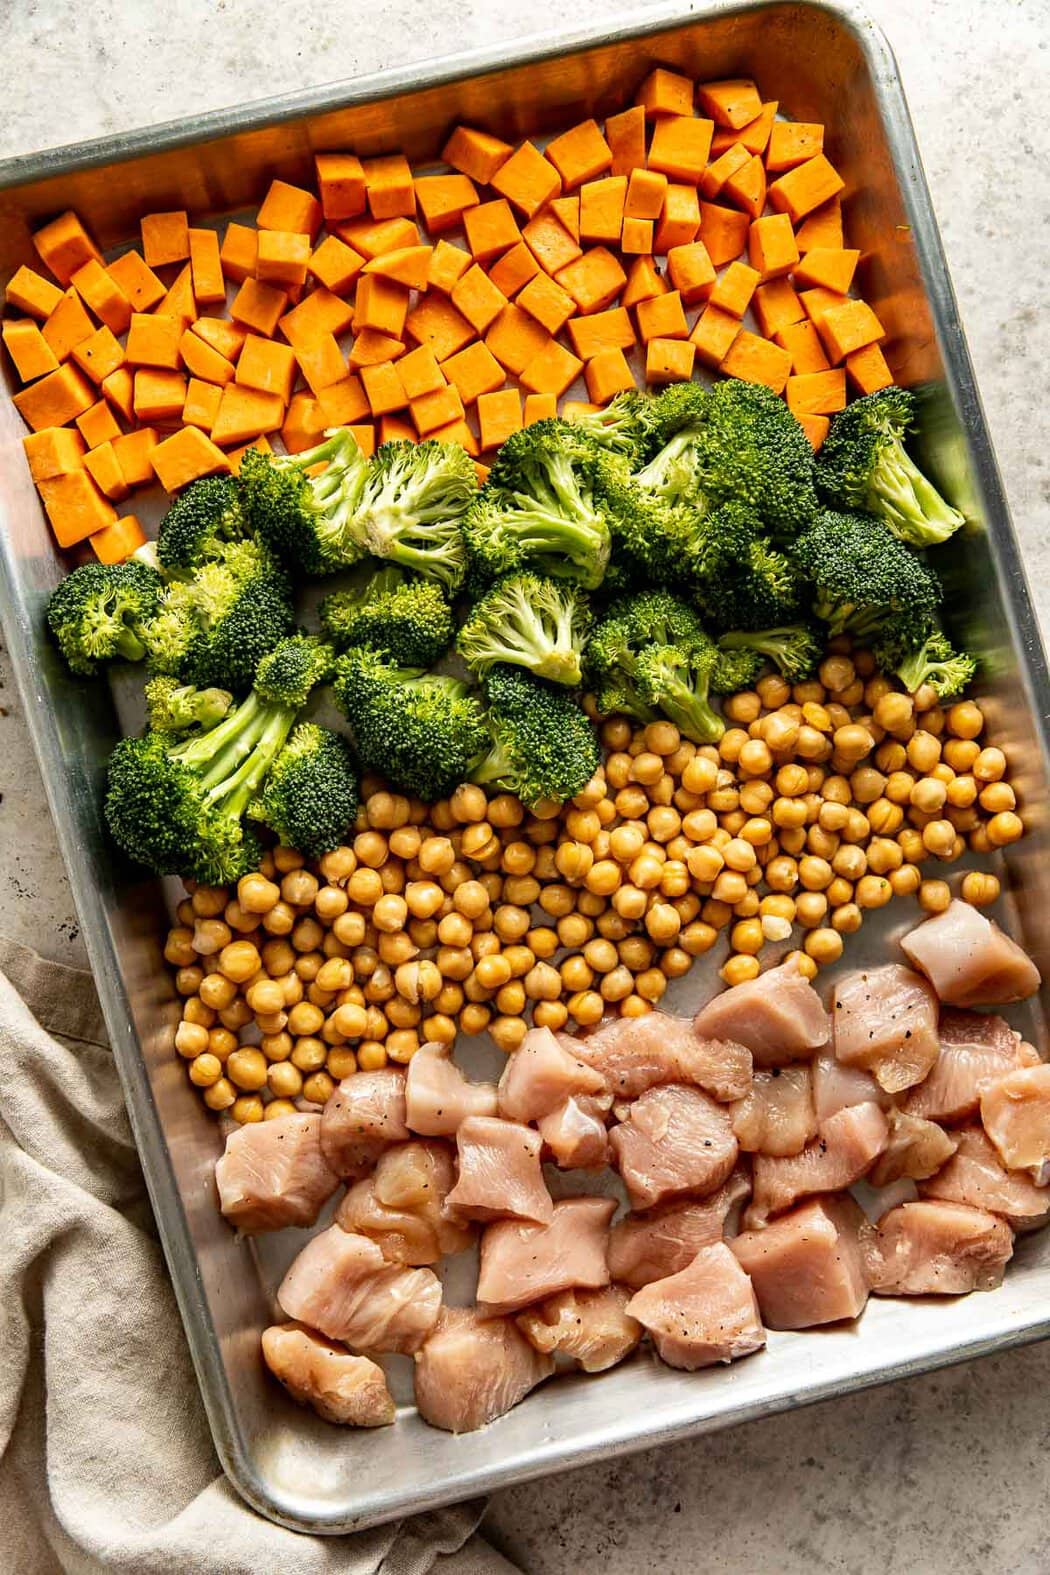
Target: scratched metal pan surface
[(826, 63)]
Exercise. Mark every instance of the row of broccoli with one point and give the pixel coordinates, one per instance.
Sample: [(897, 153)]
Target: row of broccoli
[(659, 551)]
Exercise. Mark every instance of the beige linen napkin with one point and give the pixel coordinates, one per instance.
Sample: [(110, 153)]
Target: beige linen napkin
[(107, 1463)]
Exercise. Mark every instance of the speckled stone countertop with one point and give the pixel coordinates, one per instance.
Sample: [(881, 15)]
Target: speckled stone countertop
[(942, 1473)]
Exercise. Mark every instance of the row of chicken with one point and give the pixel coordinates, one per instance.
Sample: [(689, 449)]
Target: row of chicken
[(736, 1137)]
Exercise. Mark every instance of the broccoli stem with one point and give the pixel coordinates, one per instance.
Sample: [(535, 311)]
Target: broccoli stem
[(692, 715), (129, 645), (913, 508), (234, 757)]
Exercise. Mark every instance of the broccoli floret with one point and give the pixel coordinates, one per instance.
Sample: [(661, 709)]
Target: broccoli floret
[(868, 583), (412, 505), (407, 617), (624, 426), (287, 674), (99, 612), (310, 798), (649, 654), (752, 448), (207, 512), (541, 744), (307, 520), (419, 730), (215, 626), (676, 679), (735, 670), (172, 707), (795, 649), (934, 662), (863, 464), (530, 622), (678, 407), (763, 588), (544, 507), (671, 474)]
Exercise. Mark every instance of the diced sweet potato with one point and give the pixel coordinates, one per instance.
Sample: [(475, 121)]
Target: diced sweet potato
[(371, 347), (849, 327), (97, 286), (340, 184), (551, 370), (611, 330), (550, 243), (593, 280), (691, 271), (719, 170), (259, 306), (515, 338), (209, 283), (831, 267), (380, 304), (115, 543), (55, 400), (408, 266), (823, 227), (735, 287), (53, 451), (75, 507), (304, 423), (792, 142), (28, 349), (868, 370), (134, 451), (154, 341), (775, 306), (244, 413), (179, 300), (805, 187), (723, 231), (680, 146), (28, 291), (636, 237), (99, 355), (644, 280), (222, 336), (478, 299), (625, 134), (98, 425), (475, 153), (816, 393), (335, 264), (444, 199), (669, 360), (165, 238), (734, 102), (159, 395), (754, 137), (646, 190), (437, 409), (239, 252), (321, 363), (713, 334), (539, 407), (545, 300), (679, 218), (499, 414), (372, 237), (316, 315), (757, 360), (389, 186), (746, 187), (202, 404), (434, 321), (815, 427), (567, 211), (344, 403), (287, 207), (802, 342), (579, 154), (606, 374), (474, 371), (383, 388), (68, 325), (447, 264), (267, 366), (771, 245), (104, 469), (511, 272), (283, 258), (662, 318), (601, 208), (202, 361), (64, 246), (527, 180), (665, 92), (119, 390)]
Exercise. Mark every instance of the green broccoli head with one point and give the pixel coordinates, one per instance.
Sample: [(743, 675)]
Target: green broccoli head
[(293, 669), (794, 649), (545, 507), (676, 679), (625, 426), (306, 515), (678, 407), (763, 589), (207, 512), (541, 744), (172, 707), (752, 448), (531, 622), (99, 612), (310, 796), (934, 662), (412, 506), (735, 670), (863, 464), (628, 677), (867, 583), (404, 615), (671, 474), (421, 731)]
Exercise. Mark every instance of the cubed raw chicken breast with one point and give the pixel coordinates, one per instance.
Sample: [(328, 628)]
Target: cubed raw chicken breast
[(339, 1386), (836, 1087), (884, 1020), (777, 1116), (843, 1150), (915, 1149), (636, 1053), (541, 1075), (438, 1096), (402, 1204), (675, 1140), (575, 1134), (1015, 1113), (806, 1267), (976, 1175), (273, 1174), (708, 1313), (592, 1327), (364, 1115), (969, 960), (473, 1369), (778, 1016), (523, 1263), (974, 1049), (341, 1284), (651, 1246), (499, 1172), (935, 1249)]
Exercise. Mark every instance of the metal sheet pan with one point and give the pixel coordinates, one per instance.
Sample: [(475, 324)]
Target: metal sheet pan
[(828, 63)]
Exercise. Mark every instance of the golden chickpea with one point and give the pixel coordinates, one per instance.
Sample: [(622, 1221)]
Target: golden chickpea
[(961, 792), (747, 936), (965, 720), (755, 759), (663, 923), (617, 984), (989, 765), (872, 891), (256, 894), (178, 949), (739, 855), (205, 1069), (509, 922), (906, 880), (550, 1014), (492, 972), (436, 855), (825, 945), (739, 969), (697, 937), (506, 811), (195, 1011), (1004, 828), (210, 936), (743, 707), (220, 1095), (857, 827), (246, 1069), (474, 1018), (309, 1054), (895, 712), (239, 961), (284, 1080), (810, 909), (924, 751), (371, 1055), (222, 1042), (979, 888), (814, 874), (934, 896)]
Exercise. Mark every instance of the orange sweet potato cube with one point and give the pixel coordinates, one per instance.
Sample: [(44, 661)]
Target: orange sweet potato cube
[(341, 184), (134, 451), (551, 370), (816, 393), (322, 363), (444, 199), (515, 338), (499, 414), (304, 423), (383, 388), (511, 272), (202, 361), (644, 280), (735, 288), (691, 272), (625, 134), (733, 103), (419, 372), (792, 142), (239, 252), (607, 373), (398, 429), (636, 237), (802, 342), (601, 208), (545, 300), (267, 366), (100, 355), (849, 327), (527, 180), (815, 427), (68, 325), (283, 258), (154, 341), (202, 404), (474, 371), (579, 154), (478, 299), (438, 409), (104, 469), (380, 304), (373, 237), (719, 170), (540, 407), (187, 455), (458, 432), (593, 280), (259, 306), (221, 335), (818, 301), (646, 191), (679, 218), (288, 207), (713, 334), (317, 314), (55, 400), (244, 413), (662, 318), (665, 92), (115, 543), (371, 348), (823, 227), (53, 451), (179, 300), (753, 137), (344, 403), (550, 242), (119, 391), (447, 264), (680, 147), (389, 187), (475, 153), (159, 395), (136, 280), (28, 291), (98, 425), (723, 231), (669, 360), (756, 360), (775, 306), (97, 286), (771, 245), (209, 283), (165, 238), (434, 321), (611, 330), (491, 228), (868, 370), (830, 267), (75, 506), (28, 349), (236, 455), (408, 265), (805, 187), (64, 246), (746, 187), (567, 211)]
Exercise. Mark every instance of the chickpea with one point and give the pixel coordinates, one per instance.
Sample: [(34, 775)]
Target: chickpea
[(220, 1095), (474, 1018), (884, 855), (965, 720), (934, 896), (309, 1054), (256, 894), (825, 945), (617, 984), (906, 880), (492, 972), (506, 811), (872, 891), (587, 1007), (247, 1069), (924, 751), (997, 797), (284, 1080), (191, 1039), (1004, 828), (810, 909), (961, 792), (781, 874), (980, 889), (371, 1056), (574, 861), (195, 1011), (205, 1070), (886, 817), (814, 874), (739, 969), (509, 922)]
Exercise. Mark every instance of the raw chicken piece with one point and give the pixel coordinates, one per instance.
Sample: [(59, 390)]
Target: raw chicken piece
[(273, 1174), (674, 1140), (402, 1204), (885, 1021), (473, 1369), (636, 1053), (806, 1266), (541, 1075), (647, 1247), (708, 1313), (935, 1249), (437, 1095), (777, 1117), (341, 1284), (575, 1134), (968, 959), (499, 1172), (1015, 1113), (590, 1326), (339, 1386), (364, 1115), (778, 1016), (976, 1175), (525, 1263), (839, 1155), (974, 1050), (914, 1150), (836, 1087)]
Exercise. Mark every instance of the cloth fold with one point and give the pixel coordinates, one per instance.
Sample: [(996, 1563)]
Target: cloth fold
[(106, 1462)]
